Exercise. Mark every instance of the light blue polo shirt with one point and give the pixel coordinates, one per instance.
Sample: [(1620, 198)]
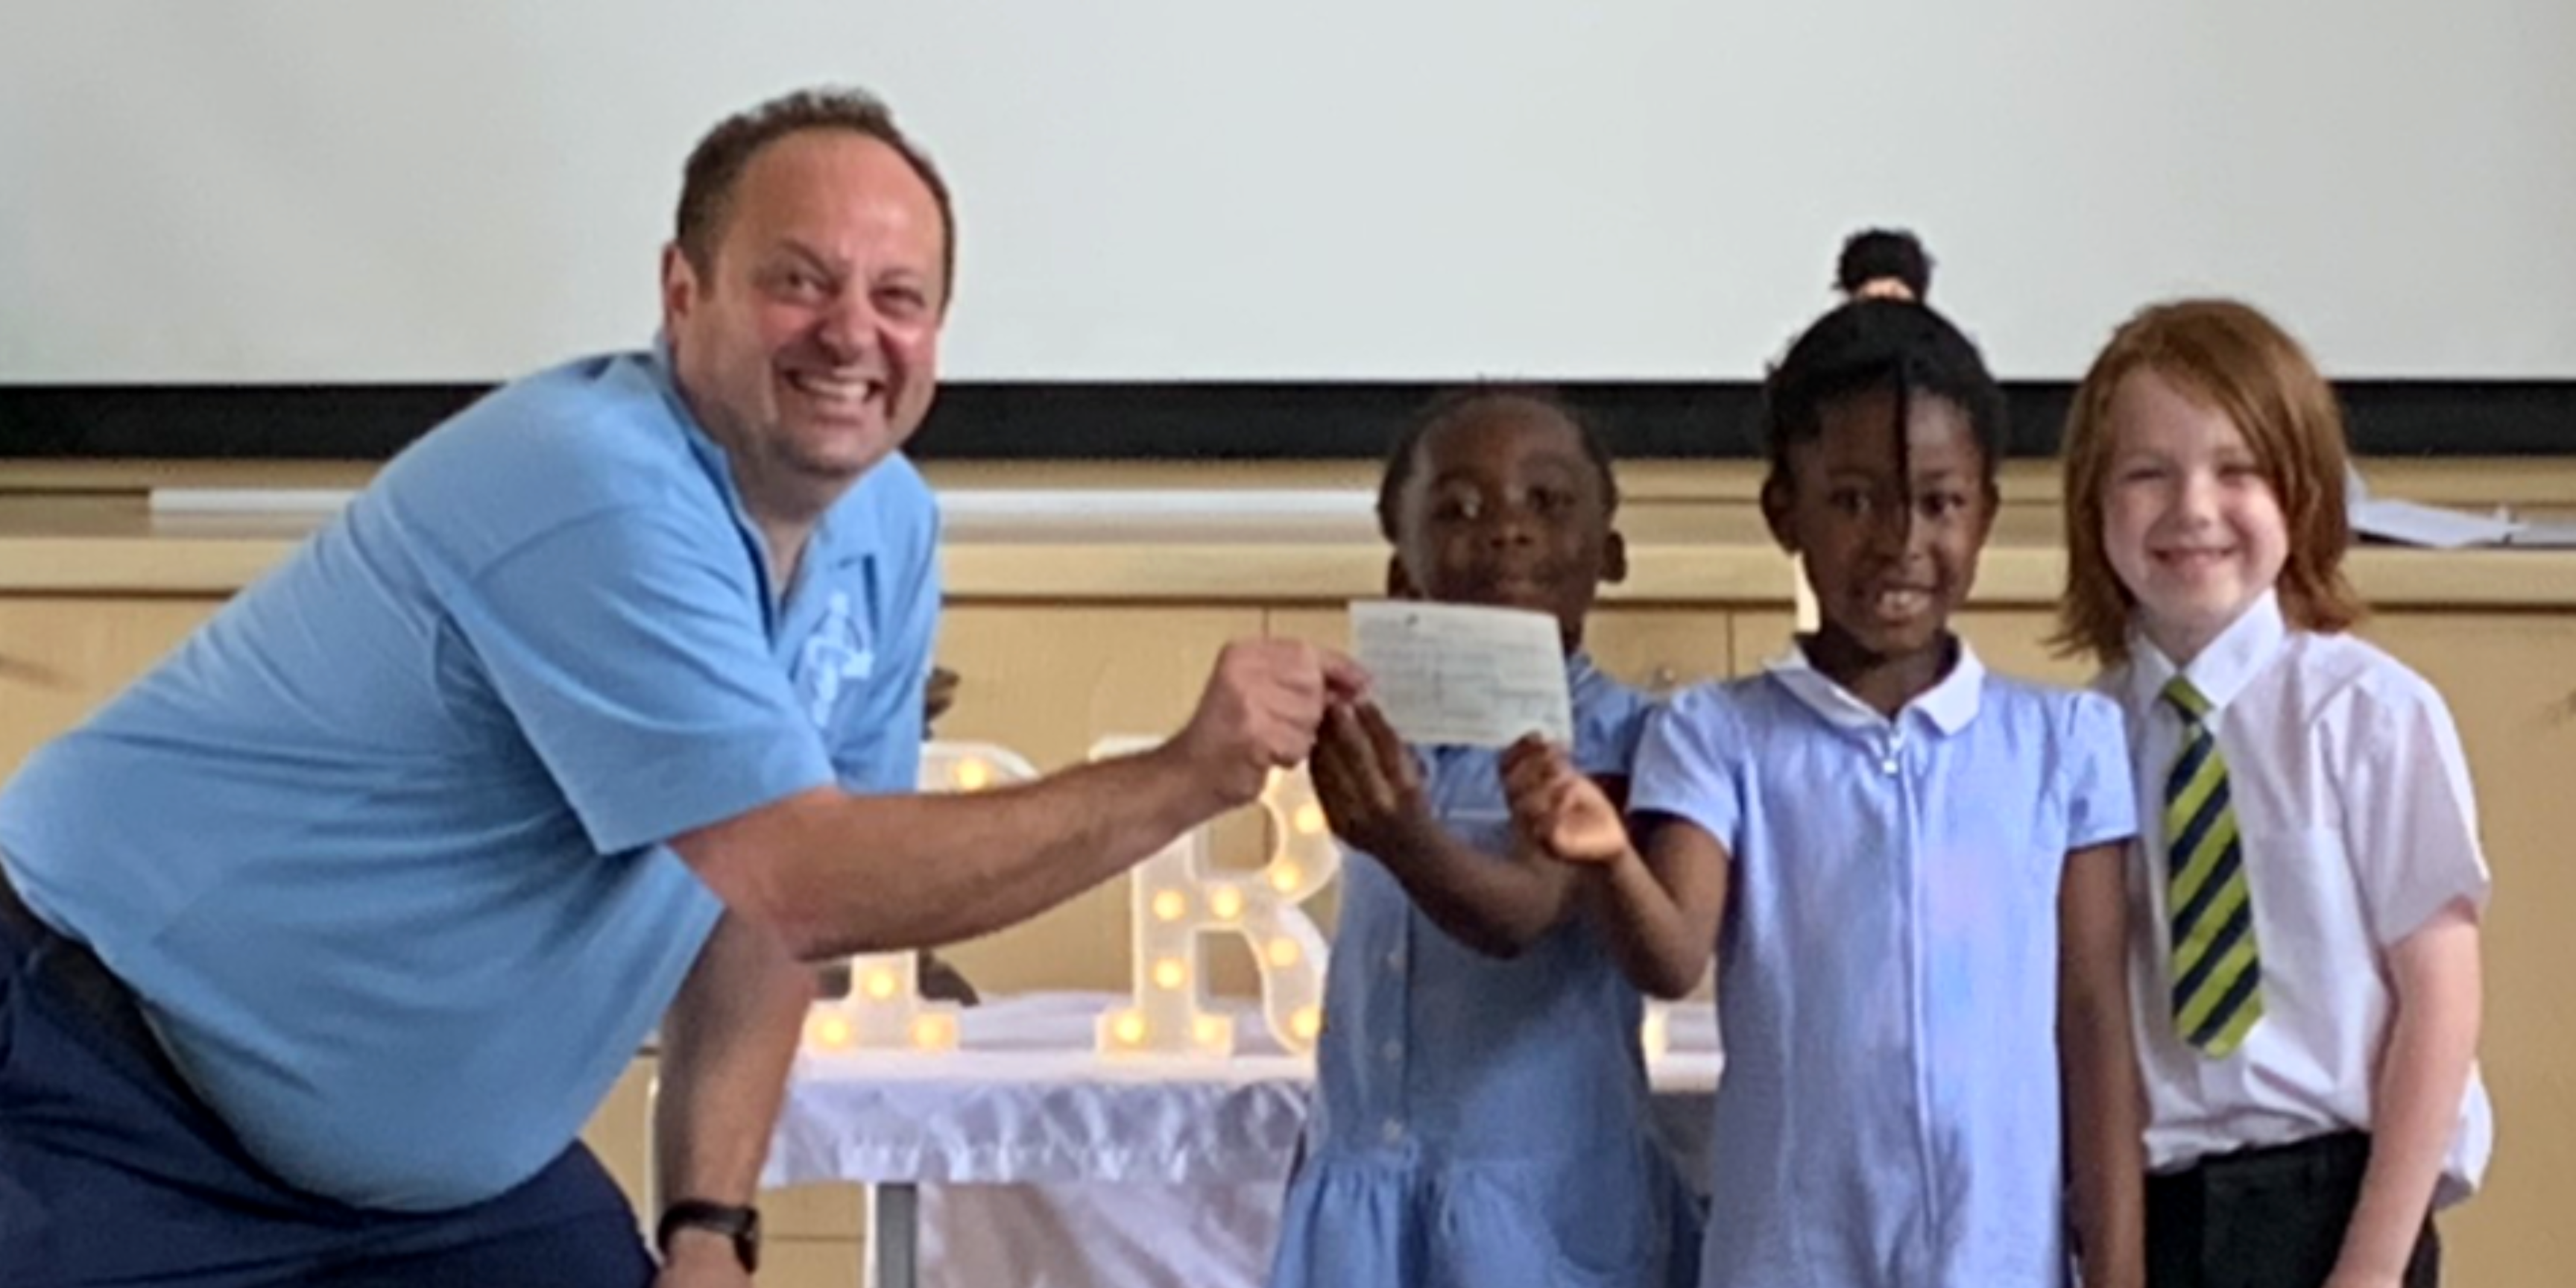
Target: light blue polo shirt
[(1887, 979), (380, 846)]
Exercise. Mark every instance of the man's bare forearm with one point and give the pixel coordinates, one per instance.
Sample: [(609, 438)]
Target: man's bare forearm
[(727, 1042), (837, 874)]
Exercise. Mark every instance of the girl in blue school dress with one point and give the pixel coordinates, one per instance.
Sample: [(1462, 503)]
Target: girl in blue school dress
[(1482, 1109), (1910, 871)]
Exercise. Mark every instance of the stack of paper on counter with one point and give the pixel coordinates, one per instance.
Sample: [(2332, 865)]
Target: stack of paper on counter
[(2436, 527)]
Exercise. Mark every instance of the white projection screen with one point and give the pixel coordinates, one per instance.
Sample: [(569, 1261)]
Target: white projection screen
[(296, 191)]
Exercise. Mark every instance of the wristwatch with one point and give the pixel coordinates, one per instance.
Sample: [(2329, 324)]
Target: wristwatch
[(740, 1224)]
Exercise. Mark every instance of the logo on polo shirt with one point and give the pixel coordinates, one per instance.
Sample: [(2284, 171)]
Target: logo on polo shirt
[(837, 655)]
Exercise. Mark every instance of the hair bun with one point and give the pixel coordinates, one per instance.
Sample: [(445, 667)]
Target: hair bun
[(1876, 260)]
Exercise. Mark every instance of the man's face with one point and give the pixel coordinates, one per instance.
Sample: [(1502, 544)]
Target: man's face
[(809, 346)]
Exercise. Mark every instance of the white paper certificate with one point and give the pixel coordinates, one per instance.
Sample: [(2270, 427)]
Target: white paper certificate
[(1452, 674)]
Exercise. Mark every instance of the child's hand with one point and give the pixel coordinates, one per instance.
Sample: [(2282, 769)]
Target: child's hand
[(1368, 783), (1558, 811)]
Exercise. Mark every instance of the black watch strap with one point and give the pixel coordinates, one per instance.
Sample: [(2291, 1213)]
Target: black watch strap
[(735, 1222)]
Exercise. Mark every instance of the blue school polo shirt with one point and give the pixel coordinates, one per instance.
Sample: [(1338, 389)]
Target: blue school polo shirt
[(380, 847)]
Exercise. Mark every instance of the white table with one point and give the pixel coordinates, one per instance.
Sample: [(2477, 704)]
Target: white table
[(1024, 1100)]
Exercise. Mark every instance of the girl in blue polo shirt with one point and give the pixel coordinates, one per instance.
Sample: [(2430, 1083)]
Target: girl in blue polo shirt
[(1909, 869), (1481, 1111)]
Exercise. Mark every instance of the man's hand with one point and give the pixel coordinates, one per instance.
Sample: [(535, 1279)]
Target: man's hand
[(1558, 811), (1369, 785), (1259, 712)]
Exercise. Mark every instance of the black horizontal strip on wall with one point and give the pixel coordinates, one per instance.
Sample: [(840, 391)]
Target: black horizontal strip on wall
[(1176, 421)]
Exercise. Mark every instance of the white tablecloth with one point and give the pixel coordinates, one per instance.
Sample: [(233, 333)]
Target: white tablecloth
[(1041, 1163), (1025, 1100)]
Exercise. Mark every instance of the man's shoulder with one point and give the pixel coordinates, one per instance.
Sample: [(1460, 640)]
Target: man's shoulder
[(575, 441), (603, 417)]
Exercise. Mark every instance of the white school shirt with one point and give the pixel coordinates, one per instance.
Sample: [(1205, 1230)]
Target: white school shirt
[(2358, 825)]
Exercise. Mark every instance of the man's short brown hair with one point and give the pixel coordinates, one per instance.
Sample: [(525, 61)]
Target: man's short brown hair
[(715, 166)]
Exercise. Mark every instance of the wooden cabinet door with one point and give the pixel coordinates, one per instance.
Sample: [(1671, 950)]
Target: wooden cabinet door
[(61, 656), (2510, 681)]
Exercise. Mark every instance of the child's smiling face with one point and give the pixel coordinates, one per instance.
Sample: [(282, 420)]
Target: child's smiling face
[(2190, 520), (1505, 507), (1890, 542)]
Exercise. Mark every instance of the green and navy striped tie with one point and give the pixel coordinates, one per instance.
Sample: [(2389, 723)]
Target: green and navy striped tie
[(2217, 990)]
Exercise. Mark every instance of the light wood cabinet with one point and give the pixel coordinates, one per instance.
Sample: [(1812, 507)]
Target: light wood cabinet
[(2510, 681), (63, 655), (1662, 649)]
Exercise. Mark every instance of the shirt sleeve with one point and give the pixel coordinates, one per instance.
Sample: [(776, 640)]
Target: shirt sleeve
[(629, 646), (2101, 793), (1690, 764), (2409, 812)]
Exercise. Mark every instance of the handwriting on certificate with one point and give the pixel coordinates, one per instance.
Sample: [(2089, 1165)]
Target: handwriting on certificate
[(1457, 675)]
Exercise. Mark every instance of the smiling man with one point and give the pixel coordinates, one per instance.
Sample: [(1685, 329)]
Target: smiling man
[(600, 707)]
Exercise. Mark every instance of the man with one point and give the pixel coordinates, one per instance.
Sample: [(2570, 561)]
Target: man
[(319, 944)]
